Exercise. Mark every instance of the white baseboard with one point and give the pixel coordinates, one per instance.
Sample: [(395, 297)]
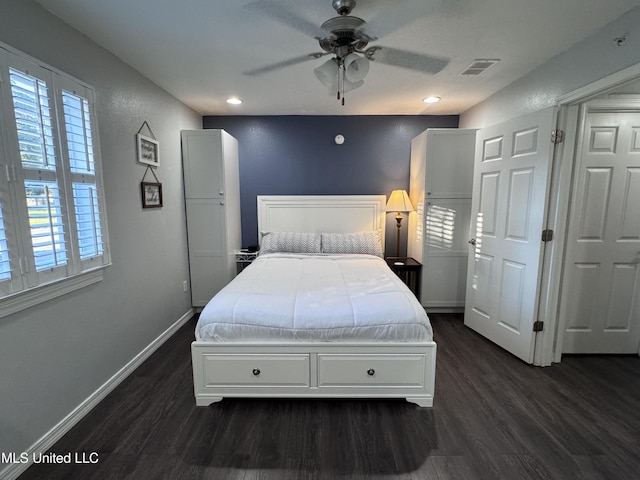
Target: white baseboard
[(14, 470)]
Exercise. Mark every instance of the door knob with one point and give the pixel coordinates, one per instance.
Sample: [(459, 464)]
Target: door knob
[(473, 242)]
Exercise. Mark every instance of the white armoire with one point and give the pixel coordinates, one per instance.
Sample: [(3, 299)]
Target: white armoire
[(441, 181), (212, 198)]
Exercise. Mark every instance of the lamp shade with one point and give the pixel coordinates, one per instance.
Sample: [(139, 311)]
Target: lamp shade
[(348, 86), (355, 67), (327, 73), (399, 202)]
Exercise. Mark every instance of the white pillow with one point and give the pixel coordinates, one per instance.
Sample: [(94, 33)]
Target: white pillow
[(290, 242), (365, 243)]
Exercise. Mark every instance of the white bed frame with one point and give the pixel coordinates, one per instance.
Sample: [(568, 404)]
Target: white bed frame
[(315, 369)]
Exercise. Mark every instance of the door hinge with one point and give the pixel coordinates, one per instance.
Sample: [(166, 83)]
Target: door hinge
[(538, 326), (547, 235), (557, 136)]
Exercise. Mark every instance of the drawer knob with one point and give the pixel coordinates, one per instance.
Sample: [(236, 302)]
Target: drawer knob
[(371, 372), (256, 371)]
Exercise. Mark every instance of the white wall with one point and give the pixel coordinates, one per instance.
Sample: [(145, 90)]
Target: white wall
[(53, 356), (586, 62)]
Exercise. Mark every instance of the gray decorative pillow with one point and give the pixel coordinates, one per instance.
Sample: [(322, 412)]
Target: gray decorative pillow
[(365, 243), (290, 242)]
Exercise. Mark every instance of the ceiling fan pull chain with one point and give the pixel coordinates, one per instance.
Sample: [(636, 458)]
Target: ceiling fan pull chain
[(341, 81)]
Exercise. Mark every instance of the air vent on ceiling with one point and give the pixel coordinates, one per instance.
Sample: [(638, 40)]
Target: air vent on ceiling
[(479, 66)]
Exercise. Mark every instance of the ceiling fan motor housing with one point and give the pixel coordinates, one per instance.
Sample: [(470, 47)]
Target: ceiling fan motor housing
[(343, 31), (343, 7)]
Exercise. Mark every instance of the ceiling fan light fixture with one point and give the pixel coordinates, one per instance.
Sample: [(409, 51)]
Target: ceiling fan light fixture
[(327, 73), (348, 86), (355, 67), (431, 100)]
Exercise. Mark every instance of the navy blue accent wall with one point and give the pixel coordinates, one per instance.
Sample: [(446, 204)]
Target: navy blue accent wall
[(297, 155)]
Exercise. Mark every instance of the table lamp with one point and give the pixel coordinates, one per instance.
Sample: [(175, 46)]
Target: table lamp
[(399, 202)]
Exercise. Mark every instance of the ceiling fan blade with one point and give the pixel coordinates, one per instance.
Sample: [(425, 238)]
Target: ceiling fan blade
[(406, 59), (283, 14), (283, 64), (387, 20), (390, 16)]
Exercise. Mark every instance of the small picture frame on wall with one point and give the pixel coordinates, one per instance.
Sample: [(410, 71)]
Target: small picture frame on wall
[(151, 194), (148, 150)]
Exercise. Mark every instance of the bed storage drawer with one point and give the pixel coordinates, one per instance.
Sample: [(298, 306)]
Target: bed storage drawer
[(392, 370), (234, 370)]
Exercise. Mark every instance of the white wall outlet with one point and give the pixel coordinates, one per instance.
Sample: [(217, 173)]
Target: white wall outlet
[(185, 285)]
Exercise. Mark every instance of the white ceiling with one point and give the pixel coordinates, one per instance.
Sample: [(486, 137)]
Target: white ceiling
[(197, 50)]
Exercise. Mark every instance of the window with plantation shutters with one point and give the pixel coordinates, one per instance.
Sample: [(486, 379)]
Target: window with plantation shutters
[(32, 112), (5, 265), (82, 173), (52, 216)]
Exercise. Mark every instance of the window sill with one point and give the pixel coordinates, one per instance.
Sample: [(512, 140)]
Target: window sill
[(22, 300)]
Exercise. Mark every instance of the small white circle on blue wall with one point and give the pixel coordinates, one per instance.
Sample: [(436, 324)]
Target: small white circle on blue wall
[(339, 139)]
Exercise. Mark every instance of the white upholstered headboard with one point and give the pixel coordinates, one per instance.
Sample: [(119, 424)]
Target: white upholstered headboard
[(322, 213)]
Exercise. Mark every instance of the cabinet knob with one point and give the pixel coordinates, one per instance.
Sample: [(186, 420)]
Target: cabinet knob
[(473, 242), (221, 193), (222, 202), (256, 371), (371, 372)]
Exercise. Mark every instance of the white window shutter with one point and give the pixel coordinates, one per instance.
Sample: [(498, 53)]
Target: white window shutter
[(53, 226), (38, 170), (5, 262), (88, 202), (44, 208)]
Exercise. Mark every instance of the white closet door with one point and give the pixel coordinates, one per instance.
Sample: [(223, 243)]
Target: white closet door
[(203, 164), (600, 287), (511, 179), (208, 256), (446, 252)]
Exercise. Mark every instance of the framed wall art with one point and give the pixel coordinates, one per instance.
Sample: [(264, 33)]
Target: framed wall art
[(151, 194), (148, 150)]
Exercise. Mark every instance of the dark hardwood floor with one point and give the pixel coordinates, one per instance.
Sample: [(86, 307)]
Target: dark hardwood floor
[(494, 418)]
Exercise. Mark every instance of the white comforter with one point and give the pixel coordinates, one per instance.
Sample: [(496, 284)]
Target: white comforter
[(284, 297)]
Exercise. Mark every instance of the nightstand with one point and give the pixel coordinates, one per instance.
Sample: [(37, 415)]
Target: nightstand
[(409, 270), (243, 259)]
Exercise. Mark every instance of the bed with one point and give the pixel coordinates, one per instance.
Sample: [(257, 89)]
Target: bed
[(317, 314)]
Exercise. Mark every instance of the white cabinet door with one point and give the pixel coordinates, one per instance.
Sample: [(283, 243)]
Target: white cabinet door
[(508, 211), (446, 233), (203, 164), (600, 297), (449, 169), (208, 255)]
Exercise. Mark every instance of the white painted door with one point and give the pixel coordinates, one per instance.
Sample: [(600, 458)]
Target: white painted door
[(509, 202), (601, 308)]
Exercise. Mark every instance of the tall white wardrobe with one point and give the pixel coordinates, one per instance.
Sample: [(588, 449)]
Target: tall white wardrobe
[(441, 182), (212, 197)]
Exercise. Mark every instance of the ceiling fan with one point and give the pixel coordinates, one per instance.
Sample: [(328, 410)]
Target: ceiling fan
[(347, 38)]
